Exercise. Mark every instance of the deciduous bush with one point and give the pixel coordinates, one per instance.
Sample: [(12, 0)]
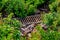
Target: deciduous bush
[(53, 5), (9, 29), (49, 34), (20, 8)]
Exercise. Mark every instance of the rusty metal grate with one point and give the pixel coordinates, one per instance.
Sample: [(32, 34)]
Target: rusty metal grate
[(31, 19)]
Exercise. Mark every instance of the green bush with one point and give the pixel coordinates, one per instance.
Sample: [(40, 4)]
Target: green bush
[(9, 29), (52, 19), (53, 5), (9, 33), (20, 8), (49, 18), (49, 34)]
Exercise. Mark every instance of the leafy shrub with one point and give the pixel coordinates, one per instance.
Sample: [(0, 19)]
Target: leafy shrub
[(53, 5), (52, 19), (20, 8), (32, 5), (2, 3), (49, 34), (9, 29), (9, 33), (48, 19)]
